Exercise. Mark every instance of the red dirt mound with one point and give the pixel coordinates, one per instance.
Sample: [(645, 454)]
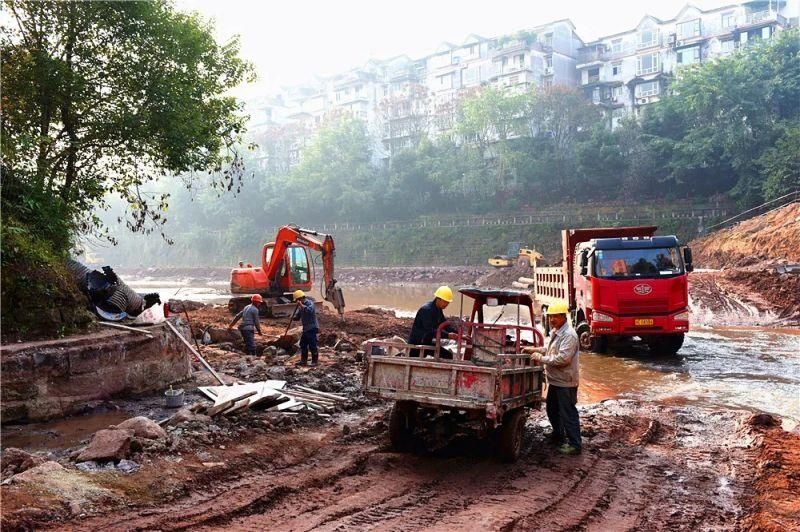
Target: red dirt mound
[(771, 237)]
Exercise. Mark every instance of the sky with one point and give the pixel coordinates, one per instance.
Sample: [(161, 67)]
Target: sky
[(290, 41)]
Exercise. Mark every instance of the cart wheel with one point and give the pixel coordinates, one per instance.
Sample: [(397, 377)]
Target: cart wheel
[(402, 421), (511, 434)]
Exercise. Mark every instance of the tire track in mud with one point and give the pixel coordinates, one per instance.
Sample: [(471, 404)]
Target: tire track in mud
[(643, 468), (253, 492)]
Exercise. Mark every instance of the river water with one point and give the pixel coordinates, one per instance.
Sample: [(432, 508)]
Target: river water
[(755, 369)]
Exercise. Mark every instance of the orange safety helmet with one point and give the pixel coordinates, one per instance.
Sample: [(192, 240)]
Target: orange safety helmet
[(257, 299)]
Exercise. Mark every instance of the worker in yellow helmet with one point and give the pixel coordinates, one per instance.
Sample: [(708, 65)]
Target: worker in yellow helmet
[(427, 321), (307, 312), (560, 359)]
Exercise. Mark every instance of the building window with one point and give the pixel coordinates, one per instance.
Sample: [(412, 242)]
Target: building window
[(688, 56), (616, 46), (616, 68), (644, 90), (766, 32), (617, 92), (687, 30), (594, 75), (471, 49), (727, 47), (505, 61), (513, 80), (338, 96), (548, 61), (548, 40), (648, 38), (548, 83), (521, 59), (646, 64), (728, 20)]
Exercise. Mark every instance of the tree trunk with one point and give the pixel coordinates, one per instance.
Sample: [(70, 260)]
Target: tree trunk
[(67, 116)]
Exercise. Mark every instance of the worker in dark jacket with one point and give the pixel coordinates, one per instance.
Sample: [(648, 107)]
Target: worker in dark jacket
[(250, 324), (427, 321), (307, 312)]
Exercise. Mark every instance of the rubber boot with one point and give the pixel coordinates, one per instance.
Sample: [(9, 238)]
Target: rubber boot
[(314, 357), (303, 359)]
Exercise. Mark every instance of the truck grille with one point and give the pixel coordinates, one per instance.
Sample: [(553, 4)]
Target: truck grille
[(643, 306)]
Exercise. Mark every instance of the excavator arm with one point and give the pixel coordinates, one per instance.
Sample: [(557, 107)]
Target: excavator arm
[(292, 234)]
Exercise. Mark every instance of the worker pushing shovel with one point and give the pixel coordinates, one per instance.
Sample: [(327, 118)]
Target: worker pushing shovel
[(307, 312)]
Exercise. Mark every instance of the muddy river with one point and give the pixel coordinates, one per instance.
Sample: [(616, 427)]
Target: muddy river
[(748, 368)]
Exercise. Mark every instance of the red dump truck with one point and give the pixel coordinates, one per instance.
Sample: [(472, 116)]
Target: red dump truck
[(621, 283)]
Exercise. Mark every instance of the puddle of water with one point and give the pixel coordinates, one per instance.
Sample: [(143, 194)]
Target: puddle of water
[(59, 434)]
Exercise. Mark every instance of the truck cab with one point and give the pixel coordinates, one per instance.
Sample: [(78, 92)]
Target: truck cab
[(632, 287), (620, 282)]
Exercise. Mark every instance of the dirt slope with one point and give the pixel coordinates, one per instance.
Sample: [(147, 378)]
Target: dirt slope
[(771, 237)]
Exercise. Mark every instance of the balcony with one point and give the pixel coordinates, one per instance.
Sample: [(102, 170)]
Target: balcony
[(760, 17), (590, 57)]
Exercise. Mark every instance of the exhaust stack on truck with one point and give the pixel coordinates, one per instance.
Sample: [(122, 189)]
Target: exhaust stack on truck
[(621, 282)]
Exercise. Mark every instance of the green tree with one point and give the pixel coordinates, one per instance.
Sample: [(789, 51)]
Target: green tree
[(721, 116), (335, 178), (102, 97), (781, 165)]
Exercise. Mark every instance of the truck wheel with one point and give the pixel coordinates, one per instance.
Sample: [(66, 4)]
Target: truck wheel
[(590, 342), (402, 422), (667, 345), (511, 434)]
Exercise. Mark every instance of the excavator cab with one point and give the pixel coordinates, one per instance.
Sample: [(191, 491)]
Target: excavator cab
[(295, 273)]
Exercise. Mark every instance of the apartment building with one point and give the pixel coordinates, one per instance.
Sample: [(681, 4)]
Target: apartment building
[(626, 71), (401, 98)]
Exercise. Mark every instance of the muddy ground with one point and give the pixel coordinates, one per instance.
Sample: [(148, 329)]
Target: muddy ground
[(645, 465)]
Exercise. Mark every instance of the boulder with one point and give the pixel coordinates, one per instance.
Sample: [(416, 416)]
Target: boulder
[(143, 427), (16, 461), (345, 346), (763, 420), (184, 414), (180, 305), (216, 335), (107, 444)]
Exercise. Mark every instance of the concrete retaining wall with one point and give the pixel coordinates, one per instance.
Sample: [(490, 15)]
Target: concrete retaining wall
[(56, 378)]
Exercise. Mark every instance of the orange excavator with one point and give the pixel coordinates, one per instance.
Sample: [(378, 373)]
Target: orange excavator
[(286, 266)]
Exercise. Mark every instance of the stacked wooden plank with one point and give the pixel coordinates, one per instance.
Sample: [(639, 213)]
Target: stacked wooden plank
[(269, 395)]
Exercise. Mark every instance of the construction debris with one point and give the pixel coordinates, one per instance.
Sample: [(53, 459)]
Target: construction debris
[(268, 395)]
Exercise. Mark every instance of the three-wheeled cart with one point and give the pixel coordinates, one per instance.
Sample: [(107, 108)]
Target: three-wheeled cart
[(485, 386)]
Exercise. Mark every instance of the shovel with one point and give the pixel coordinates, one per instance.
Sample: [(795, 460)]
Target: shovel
[(284, 340)]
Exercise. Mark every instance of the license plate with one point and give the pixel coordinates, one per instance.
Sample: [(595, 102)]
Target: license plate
[(643, 322)]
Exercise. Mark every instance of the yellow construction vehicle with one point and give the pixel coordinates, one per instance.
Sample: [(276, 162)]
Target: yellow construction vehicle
[(516, 255)]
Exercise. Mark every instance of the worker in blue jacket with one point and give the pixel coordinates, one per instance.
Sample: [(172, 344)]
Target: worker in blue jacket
[(307, 312), (427, 321)]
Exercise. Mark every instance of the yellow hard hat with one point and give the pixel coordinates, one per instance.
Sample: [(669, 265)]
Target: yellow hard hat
[(298, 294), (559, 307), (444, 292)]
